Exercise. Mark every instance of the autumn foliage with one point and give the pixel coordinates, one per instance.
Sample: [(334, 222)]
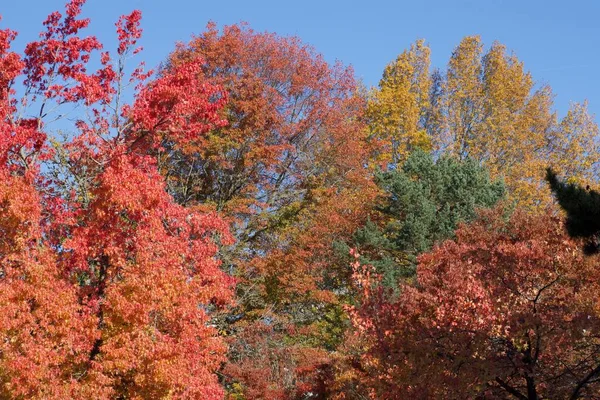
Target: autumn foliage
[(248, 222), (507, 309), (106, 283), (485, 106), (288, 170)]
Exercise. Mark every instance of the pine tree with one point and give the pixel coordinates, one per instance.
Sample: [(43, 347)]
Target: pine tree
[(582, 206), (424, 202)]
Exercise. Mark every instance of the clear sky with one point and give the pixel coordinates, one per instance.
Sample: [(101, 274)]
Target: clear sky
[(559, 41)]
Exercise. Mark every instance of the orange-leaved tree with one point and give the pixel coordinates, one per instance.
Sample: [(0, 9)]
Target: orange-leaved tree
[(106, 283), (288, 170), (294, 130)]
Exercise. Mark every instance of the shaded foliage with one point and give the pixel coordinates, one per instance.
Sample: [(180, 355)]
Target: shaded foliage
[(582, 206)]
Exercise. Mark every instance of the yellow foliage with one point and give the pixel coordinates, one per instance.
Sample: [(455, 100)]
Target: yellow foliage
[(397, 109), (497, 117), (574, 145), (486, 107)]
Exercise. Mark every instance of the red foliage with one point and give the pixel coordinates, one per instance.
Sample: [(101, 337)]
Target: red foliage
[(507, 309), (270, 368), (294, 124), (106, 284)]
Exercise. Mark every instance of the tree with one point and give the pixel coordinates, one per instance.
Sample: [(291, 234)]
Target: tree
[(266, 366), (397, 110), (574, 146), (293, 128), (507, 310), (582, 206), (496, 117), (106, 284), (488, 108), (423, 203), (289, 172)]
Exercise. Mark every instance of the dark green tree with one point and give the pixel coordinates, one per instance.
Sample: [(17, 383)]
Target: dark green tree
[(424, 201), (582, 206)]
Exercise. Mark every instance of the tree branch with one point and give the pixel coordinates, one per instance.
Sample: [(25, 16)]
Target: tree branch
[(511, 389), (584, 382)]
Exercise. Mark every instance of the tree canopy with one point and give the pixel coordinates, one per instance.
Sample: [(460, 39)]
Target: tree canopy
[(250, 222), (506, 310), (422, 204)]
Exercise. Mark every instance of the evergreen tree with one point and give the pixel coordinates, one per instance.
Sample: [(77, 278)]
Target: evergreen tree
[(424, 202), (582, 206)]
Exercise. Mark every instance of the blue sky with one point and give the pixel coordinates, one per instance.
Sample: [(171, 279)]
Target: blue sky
[(559, 41)]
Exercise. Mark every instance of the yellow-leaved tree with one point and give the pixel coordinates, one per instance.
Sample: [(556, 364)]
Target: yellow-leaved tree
[(485, 107), (397, 111)]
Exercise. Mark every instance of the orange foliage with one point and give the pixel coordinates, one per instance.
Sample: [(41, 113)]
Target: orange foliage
[(289, 170), (106, 284)]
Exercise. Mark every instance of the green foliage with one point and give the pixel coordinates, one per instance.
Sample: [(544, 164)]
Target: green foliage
[(424, 202), (331, 327)]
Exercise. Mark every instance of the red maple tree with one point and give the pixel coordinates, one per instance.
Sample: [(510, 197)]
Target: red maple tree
[(106, 284)]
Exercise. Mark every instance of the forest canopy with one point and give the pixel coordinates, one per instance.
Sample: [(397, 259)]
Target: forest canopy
[(249, 221)]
